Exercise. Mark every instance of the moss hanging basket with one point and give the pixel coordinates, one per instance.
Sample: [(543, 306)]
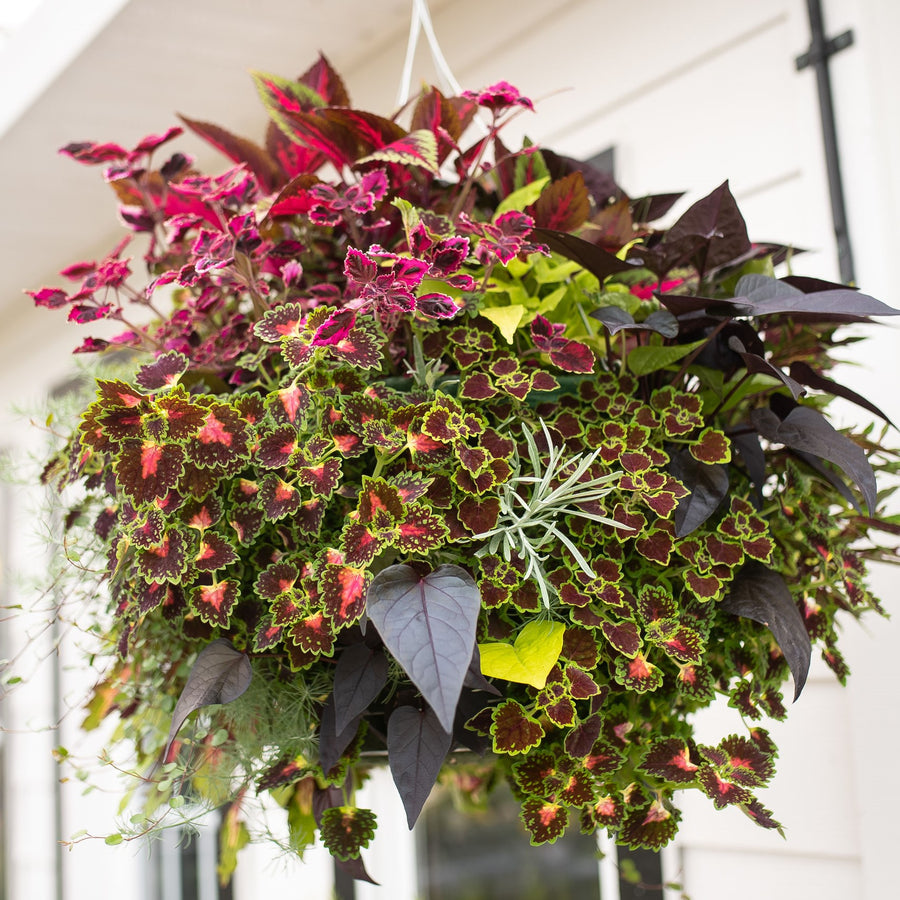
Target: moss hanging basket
[(441, 449)]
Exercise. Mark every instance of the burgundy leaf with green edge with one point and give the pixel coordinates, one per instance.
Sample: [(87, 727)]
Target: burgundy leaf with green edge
[(360, 674), (165, 561), (222, 442), (344, 591), (544, 821), (148, 470), (220, 674), (650, 827), (806, 429), (417, 746), (428, 625), (214, 553), (761, 594), (624, 636), (346, 830), (313, 634), (670, 759), (214, 602), (513, 731)]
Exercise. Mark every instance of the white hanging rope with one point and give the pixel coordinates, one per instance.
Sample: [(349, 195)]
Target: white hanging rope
[(421, 21)]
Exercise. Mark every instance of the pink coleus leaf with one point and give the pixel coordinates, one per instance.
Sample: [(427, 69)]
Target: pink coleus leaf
[(418, 148), (163, 372), (214, 602), (92, 154), (499, 97)]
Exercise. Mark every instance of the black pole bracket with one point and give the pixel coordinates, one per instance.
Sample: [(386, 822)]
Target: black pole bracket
[(817, 54)]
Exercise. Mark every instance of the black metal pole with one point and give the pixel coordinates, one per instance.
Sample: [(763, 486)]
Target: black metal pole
[(820, 51)]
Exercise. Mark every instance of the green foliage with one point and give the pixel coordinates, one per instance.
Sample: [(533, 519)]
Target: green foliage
[(559, 461)]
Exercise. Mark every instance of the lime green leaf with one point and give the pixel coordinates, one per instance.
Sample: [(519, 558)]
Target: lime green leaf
[(530, 660), (643, 360), (523, 197), (113, 839), (551, 301), (506, 318)]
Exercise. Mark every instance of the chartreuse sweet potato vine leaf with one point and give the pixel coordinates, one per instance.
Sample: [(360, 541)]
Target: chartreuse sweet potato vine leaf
[(527, 661), (220, 674), (428, 625)]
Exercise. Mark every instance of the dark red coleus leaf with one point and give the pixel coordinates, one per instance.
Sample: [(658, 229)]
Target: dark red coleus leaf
[(165, 561), (163, 372), (313, 634), (343, 590), (544, 821), (148, 470), (563, 205), (214, 602), (650, 827), (214, 552), (346, 830), (670, 759), (513, 730)]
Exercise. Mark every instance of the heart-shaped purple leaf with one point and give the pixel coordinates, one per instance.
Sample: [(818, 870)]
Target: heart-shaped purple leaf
[(220, 674), (428, 625)]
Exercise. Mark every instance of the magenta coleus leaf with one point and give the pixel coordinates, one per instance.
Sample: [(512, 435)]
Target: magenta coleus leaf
[(418, 148), (428, 625), (417, 746), (670, 759), (220, 674)]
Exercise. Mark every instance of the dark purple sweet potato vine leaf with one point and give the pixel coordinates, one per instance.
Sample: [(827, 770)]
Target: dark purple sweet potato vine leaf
[(417, 746), (333, 743), (589, 256), (428, 625), (359, 676), (761, 594), (220, 674), (616, 319), (807, 430), (708, 486)]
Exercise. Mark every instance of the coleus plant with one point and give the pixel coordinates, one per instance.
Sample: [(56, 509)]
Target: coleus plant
[(432, 449)]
